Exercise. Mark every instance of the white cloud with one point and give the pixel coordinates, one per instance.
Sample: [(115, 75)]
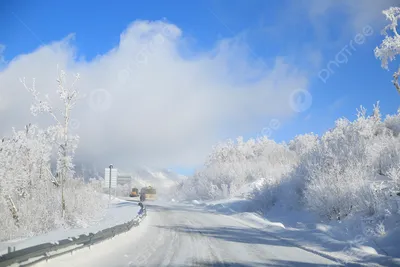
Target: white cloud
[(145, 104), (331, 24), (359, 13), (364, 12)]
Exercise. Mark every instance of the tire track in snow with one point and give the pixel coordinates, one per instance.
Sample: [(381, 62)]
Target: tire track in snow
[(173, 245), (149, 249), (191, 244), (197, 239), (212, 255)]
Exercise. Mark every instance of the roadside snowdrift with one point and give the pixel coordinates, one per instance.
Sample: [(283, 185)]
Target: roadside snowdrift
[(119, 212), (346, 241)]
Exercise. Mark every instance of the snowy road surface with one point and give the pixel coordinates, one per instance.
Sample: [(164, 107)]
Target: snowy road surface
[(181, 235)]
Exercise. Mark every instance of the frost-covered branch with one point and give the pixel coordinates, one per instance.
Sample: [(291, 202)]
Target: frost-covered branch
[(52, 178), (39, 105), (396, 80), (390, 46)]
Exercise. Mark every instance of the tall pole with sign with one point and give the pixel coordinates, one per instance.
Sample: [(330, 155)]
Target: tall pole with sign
[(109, 185)]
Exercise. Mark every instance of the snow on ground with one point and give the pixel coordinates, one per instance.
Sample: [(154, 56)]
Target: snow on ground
[(120, 211), (340, 240), (118, 244)]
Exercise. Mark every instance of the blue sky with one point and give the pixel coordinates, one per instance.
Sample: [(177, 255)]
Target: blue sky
[(307, 34)]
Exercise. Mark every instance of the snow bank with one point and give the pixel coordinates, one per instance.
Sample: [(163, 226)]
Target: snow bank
[(119, 212), (304, 229)]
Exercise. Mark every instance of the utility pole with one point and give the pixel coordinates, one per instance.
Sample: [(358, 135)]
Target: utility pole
[(109, 186)]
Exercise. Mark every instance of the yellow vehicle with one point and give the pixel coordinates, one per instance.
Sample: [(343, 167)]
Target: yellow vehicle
[(148, 193), (134, 192)]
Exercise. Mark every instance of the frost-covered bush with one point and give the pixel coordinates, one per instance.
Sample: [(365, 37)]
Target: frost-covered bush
[(343, 173), (232, 165), (30, 198), (33, 198), (353, 168)]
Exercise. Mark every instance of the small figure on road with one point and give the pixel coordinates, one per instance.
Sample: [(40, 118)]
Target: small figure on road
[(141, 208)]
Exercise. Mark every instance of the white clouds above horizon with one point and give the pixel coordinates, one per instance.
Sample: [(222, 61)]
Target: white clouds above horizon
[(359, 12), (330, 25), (145, 104)]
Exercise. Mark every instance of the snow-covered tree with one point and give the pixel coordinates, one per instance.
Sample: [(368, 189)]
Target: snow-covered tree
[(232, 165), (390, 46), (30, 194), (66, 144), (353, 168)]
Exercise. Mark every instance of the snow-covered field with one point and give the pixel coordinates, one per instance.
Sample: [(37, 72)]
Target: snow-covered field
[(119, 212)]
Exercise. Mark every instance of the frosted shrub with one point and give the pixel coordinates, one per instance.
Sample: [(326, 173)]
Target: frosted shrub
[(336, 173), (29, 193), (303, 144), (387, 155), (334, 192), (392, 122), (231, 165), (33, 199), (268, 196), (83, 202), (341, 176), (394, 175)]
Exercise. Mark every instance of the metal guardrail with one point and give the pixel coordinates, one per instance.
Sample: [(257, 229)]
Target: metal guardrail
[(32, 255)]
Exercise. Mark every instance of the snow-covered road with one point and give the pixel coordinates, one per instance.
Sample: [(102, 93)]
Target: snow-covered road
[(183, 235)]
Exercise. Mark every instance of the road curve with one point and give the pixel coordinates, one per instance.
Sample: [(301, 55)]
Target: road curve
[(181, 235)]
